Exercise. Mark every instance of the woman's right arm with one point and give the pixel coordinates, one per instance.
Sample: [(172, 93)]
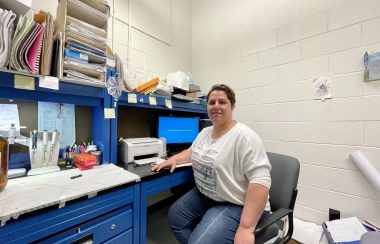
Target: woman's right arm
[(180, 158)]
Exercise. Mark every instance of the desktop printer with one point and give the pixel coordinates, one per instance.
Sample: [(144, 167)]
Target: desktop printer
[(145, 146)]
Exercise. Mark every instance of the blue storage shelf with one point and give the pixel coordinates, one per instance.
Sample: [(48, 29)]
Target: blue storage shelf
[(67, 93), (96, 97), (143, 101)]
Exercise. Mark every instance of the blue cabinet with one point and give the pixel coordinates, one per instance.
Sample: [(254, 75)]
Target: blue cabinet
[(110, 215)]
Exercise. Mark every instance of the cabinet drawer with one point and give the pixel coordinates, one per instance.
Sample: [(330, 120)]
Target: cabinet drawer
[(112, 226), (101, 230), (123, 238)]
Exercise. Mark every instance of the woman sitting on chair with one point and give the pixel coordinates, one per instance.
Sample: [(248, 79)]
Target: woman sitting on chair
[(232, 176)]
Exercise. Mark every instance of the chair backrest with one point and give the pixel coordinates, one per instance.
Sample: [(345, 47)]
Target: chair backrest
[(285, 172)]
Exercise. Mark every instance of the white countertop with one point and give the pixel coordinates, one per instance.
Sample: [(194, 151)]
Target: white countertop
[(27, 194)]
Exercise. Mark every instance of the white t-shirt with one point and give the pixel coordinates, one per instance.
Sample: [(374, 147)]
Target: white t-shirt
[(224, 167)]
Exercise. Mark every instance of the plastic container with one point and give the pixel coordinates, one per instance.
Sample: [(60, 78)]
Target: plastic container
[(4, 157), (84, 161)]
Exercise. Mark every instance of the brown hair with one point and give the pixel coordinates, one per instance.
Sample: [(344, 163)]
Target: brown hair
[(228, 90)]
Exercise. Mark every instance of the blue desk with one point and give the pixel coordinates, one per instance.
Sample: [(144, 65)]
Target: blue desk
[(153, 183)]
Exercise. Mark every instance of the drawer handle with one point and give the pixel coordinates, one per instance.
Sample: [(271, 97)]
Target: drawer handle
[(113, 226)]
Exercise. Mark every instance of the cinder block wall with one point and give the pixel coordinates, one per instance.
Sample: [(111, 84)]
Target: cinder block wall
[(269, 51)]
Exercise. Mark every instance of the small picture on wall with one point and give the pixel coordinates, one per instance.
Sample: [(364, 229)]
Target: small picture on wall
[(371, 66)]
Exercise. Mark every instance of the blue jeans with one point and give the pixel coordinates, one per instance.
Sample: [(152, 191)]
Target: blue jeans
[(195, 218)]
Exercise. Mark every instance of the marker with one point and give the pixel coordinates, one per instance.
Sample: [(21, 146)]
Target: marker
[(75, 176)]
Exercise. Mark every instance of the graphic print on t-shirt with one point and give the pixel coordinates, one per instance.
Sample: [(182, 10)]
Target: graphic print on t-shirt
[(204, 172)]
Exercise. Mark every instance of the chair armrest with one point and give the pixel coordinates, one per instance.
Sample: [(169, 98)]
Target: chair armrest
[(272, 218)]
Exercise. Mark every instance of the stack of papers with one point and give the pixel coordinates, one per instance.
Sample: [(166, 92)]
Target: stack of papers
[(7, 19), (46, 19), (85, 42), (26, 46), (344, 230)]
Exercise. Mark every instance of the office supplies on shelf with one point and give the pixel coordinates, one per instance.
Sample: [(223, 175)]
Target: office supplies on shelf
[(52, 143), (26, 47), (39, 145), (82, 78), (178, 79), (74, 44), (84, 28), (145, 147), (147, 85), (84, 161), (44, 146), (33, 137), (72, 54), (343, 230), (46, 19), (76, 28)]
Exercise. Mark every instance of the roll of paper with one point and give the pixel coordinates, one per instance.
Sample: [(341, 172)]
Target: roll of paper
[(367, 169)]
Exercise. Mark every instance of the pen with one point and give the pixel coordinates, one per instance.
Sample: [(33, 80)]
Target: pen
[(75, 176)]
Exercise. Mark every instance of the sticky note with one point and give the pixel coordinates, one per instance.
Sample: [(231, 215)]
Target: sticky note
[(24, 82), (132, 98), (152, 101), (49, 82), (109, 113), (168, 103)]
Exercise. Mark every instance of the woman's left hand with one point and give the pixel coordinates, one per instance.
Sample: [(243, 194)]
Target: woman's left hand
[(244, 236)]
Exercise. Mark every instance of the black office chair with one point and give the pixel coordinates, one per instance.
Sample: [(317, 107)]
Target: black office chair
[(282, 198)]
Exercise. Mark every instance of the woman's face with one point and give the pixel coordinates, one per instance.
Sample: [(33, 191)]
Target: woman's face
[(219, 108)]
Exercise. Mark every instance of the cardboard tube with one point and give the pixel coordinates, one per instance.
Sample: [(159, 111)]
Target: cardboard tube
[(367, 169)]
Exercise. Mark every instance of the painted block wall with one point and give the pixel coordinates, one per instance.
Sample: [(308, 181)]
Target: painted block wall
[(269, 51)]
